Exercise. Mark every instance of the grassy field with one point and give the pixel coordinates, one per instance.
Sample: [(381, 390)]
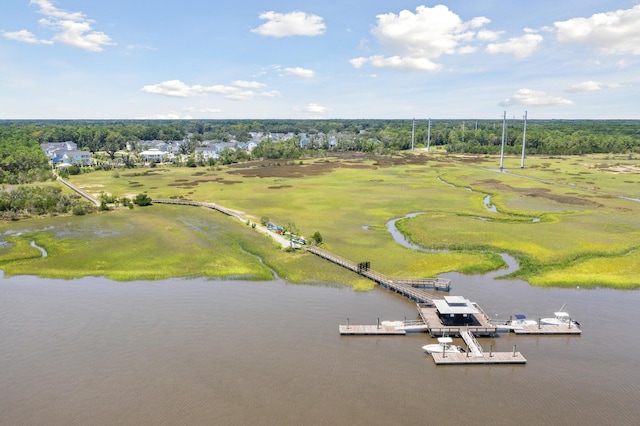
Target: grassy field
[(562, 218)]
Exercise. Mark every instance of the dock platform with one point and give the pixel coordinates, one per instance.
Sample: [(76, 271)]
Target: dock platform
[(368, 330), (429, 314), (485, 359), (548, 330)]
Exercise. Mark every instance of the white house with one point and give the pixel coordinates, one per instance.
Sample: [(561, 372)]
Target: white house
[(153, 155)]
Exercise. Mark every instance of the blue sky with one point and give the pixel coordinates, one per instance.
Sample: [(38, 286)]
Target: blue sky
[(259, 59)]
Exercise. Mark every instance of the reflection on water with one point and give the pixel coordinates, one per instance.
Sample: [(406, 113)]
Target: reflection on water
[(42, 250), (93, 351), (488, 205)]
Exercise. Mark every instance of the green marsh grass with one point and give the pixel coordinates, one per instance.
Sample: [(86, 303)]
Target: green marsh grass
[(562, 218)]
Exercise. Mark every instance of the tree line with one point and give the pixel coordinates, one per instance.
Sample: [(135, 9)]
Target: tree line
[(22, 160)]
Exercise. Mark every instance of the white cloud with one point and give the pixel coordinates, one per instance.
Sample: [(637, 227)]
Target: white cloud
[(290, 24), (71, 28), (203, 110), (47, 8), (590, 86), (241, 96), (486, 35), (315, 108), (358, 62), (270, 94), (415, 40), (300, 72), (77, 34), (168, 116), (520, 47), (533, 98), (24, 36), (177, 88), (464, 50), (397, 62), (248, 84), (610, 33)]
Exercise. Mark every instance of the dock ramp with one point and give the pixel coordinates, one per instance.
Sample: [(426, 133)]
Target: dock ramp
[(472, 343)]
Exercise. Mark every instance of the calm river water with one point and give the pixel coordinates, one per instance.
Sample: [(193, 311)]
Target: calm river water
[(188, 352)]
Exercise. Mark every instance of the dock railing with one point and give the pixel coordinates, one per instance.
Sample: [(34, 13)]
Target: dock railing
[(442, 284), (200, 204), (412, 288)]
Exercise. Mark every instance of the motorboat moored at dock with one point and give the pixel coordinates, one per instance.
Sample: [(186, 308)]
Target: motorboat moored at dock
[(516, 322), (444, 345), (560, 318)]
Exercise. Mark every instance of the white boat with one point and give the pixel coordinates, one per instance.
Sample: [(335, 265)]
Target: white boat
[(516, 322), (560, 318), (520, 319), (444, 345)]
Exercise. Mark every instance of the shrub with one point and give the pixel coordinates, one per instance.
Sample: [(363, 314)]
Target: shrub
[(317, 237), (142, 200)]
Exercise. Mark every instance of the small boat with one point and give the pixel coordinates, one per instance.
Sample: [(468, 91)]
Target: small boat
[(520, 320), (560, 318), (444, 345), (516, 322)]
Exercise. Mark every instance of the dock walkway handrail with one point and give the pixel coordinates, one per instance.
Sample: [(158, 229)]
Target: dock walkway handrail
[(471, 342), (79, 191), (410, 288), (401, 286), (200, 204)]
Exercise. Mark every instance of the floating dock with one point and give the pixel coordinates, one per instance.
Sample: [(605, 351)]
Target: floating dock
[(385, 327), (475, 355), (368, 330), (484, 359), (548, 330)]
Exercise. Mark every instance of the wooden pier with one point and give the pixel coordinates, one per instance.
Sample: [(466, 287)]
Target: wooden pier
[(413, 289), (212, 206)]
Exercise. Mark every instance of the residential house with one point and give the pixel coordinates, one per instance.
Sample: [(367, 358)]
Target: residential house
[(76, 158), (153, 155), (66, 153)]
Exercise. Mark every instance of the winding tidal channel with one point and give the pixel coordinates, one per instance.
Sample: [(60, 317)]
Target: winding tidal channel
[(195, 351)]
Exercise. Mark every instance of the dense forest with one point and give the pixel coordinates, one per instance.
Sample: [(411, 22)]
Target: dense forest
[(22, 160)]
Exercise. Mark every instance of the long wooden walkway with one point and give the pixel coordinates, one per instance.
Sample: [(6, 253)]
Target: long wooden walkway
[(201, 204), (413, 289), (79, 191)]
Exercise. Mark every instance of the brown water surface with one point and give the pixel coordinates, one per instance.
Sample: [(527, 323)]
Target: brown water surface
[(187, 352)]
